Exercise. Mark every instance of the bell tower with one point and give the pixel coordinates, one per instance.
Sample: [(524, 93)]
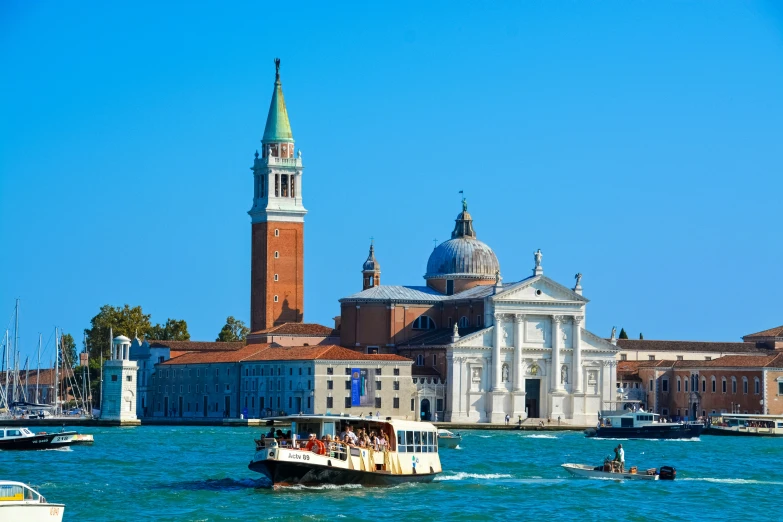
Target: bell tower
[(277, 221), (371, 270)]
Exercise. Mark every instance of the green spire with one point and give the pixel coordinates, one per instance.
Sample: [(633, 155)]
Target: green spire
[(278, 128)]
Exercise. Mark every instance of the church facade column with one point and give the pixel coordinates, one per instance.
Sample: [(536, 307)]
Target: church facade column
[(576, 370), (557, 362), (519, 323), (451, 389), (496, 361)]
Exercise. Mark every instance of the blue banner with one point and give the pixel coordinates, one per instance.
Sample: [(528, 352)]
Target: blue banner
[(356, 387)]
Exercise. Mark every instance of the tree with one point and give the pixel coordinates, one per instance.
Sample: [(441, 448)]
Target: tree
[(173, 330), (641, 336), (68, 353), (233, 330), (623, 335), (125, 321)]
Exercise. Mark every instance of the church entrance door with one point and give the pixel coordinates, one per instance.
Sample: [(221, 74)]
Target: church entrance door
[(532, 397), (425, 410)]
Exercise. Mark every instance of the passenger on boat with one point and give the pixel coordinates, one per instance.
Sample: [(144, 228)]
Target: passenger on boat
[(620, 457)]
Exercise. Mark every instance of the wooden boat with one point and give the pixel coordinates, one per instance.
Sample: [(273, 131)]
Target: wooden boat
[(12, 438), (21, 503), (447, 439), (609, 471), (296, 457), (746, 424)]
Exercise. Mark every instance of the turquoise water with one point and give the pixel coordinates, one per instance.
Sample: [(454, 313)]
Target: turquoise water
[(195, 473)]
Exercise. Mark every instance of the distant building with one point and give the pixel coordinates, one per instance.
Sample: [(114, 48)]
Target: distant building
[(771, 339), (118, 402), (653, 350), (295, 334), (30, 380), (263, 380)]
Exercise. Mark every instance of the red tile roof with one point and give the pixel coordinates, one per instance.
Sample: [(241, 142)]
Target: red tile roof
[(196, 346), (688, 346), (213, 356), (772, 332), (773, 360), (46, 377), (304, 329), (266, 352)]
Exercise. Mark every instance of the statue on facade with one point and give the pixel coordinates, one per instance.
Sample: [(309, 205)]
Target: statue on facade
[(578, 279), (464, 204), (538, 256), (614, 332), (277, 67), (456, 330), (299, 154), (269, 152), (504, 373), (497, 277), (476, 375), (564, 374)]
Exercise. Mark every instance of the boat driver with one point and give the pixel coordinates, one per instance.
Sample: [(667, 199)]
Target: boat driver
[(621, 457)]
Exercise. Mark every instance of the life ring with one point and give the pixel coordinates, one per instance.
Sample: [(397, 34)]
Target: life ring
[(316, 446)]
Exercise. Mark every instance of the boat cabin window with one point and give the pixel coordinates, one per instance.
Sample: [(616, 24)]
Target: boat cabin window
[(417, 441), (13, 433)]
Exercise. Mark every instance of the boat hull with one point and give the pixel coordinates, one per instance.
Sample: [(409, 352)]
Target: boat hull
[(674, 431), (449, 442), (39, 442), (580, 470), (14, 512), (282, 473)]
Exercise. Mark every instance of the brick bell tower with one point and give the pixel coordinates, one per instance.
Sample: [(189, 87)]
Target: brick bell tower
[(277, 217)]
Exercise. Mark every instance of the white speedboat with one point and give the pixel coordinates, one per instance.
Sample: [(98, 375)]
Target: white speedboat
[(21, 503), (447, 439), (308, 454), (608, 471), (13, 438)]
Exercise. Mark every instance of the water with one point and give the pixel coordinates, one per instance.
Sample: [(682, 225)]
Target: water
[(200, 473)]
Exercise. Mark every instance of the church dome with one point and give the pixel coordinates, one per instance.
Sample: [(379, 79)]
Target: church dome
[(463, 256)]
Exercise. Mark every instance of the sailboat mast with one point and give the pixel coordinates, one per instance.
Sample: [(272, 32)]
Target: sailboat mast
[(38, 371), (7, 372), (56, 368)]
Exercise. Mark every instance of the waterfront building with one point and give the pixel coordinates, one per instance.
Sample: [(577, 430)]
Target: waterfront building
[(654, 350), (148, 353), (260, 380), (277, 223), (729, 384), (118, 402), (38, 386), (519, 349)]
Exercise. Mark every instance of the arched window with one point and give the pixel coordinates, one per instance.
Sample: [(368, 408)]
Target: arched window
[(420, 360), (713, 385), (479, 320), (679, 385), (756, 386), (723, 383), (745, 385), (733, 385), (464, 322), (703, 384), (423, 322), (686, 386)]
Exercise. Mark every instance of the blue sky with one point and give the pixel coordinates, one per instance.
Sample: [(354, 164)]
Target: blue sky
[(635, 142)]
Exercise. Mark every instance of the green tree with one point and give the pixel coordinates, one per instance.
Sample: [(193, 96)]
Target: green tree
[(641, 336), (623, 335), (125, 321), (68, 352), (233, 330), (173, 330)]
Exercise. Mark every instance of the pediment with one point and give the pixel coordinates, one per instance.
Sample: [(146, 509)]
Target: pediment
[(541, 289), (476, 339), (598, 343)]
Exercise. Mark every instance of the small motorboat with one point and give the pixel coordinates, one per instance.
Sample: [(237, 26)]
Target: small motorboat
[(447, 439), (21, 503), (23, 439), (639, 424), (611, 470)]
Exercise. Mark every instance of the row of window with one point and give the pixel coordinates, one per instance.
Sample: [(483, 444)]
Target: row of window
[(330, 385), (420, 360), (694, 385), (425, 322), (347, 403), (417, 441)]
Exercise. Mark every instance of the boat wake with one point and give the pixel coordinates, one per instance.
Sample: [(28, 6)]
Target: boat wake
[(694, 439), (461, 475), (321, 487), (732, 481), (539, 437)]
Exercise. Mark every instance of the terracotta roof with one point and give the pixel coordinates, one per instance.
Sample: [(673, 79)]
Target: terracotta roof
[(688, 346), (772, 332), (313, 329), (266, 352), (196, 346), (213, 356), (46, 377), (773, 360), (328, 353)]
